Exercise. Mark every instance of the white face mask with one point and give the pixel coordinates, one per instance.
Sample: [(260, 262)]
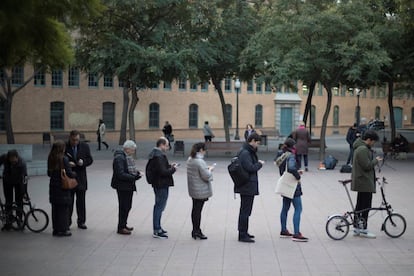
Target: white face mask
[(200, 155)]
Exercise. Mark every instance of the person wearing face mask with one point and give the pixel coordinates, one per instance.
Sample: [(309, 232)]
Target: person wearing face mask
[(14, 179), (199, 177)]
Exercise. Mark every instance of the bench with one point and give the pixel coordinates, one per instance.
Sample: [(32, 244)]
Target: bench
[(225, 147), (316, 143), (179, 147), (65, 136), (387, 149)]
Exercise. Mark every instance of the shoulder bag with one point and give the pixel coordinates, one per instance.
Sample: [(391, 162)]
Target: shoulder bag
[(67, 182), (286, 185)]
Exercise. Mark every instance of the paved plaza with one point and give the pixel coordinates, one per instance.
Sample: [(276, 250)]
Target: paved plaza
[(99, 250)]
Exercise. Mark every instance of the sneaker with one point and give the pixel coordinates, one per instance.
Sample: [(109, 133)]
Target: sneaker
[(285, 234), (159, 235), (367, 234), (299, 238), (164, 231), (357, 232)]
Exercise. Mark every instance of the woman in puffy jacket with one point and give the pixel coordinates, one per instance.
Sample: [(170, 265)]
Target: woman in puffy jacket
[(199, 177)]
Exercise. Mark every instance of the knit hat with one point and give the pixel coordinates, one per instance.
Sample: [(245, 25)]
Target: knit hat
[(289, 142)]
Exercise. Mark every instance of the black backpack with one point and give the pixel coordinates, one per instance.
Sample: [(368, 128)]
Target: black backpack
[(346, 169), (330, 162), (149, 172), (239, 176)]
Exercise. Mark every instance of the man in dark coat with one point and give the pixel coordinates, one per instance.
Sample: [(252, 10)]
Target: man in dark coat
[(79, 155), (252, 165), (351, 136), (14, 178), (162, 172)]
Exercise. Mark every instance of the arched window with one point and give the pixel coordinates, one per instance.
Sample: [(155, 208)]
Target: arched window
[(193, 116), (229, 110), (378, 113), (258, 116), (336, 116), (108, 114), (57, 115), (154, 115)]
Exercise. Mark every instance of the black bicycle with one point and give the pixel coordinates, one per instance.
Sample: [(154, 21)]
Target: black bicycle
[(36, 220), (337, 226), (13, 218)]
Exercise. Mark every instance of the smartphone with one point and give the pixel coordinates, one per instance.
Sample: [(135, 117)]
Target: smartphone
[(177, 165), (215, 164)]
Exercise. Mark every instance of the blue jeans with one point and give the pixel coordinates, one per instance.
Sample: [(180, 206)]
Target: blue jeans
[(297, 204), (161, 196)]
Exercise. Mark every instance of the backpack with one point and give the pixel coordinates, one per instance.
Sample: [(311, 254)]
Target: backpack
[(149, 173), (346, 169), (330, 162), (239, 176)]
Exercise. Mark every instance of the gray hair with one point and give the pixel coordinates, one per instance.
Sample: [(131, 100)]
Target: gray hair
[(129, 144)]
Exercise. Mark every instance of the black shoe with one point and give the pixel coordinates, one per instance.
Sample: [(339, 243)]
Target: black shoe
[(6, 227), (124, 231), (82, 226), (246, 239), (129, 228), (198, 234), (62, 234), (250, 236)]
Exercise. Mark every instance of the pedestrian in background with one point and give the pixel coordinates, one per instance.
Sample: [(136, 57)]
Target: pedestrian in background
[(199, 177), (208, 133), (351, 136), (249, 130), (101, 134), (303, 139)]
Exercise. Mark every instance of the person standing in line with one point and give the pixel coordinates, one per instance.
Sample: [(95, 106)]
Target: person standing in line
[(101, 134), (351, 136), (167, 131), (208, 133), (303, 139), (199, 177), (249, 130), (14, 181), (291, 164), (79, 155), (162, 172), (59, 198), (251, 164), (123, 180), (363, 179)]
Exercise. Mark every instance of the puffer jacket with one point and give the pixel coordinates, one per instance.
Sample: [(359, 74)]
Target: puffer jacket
[(199, 178), (250, 164), (363, 168), (162, 170), (122, 180)]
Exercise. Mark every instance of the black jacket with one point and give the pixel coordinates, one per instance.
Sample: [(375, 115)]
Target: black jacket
[(251, 164), (122, 180), (161, 169), (84, 153), (13, 175), (57, 195)]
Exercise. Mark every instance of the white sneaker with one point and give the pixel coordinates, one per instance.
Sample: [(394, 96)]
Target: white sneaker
[(367, 234)]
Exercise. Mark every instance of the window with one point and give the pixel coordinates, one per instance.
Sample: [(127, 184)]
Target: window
[(57, 78), (313, 115), (378, 113), (320, 89), (193, 86), (182, 84), (193, 116), (258, 88), (167, 85), (227, 85), (343, 90), (154, 115), (250, 87), (2, 114), (155, 86), (57, 112), (258, 116), (17, 77), (121, 83), (335, 91), (268, 88), (381, 92), (73, 77), (92, 80), (204, 86), (39, 77), (336, 116), (108, 114), (229, 110), (305, 90), (108, 82)]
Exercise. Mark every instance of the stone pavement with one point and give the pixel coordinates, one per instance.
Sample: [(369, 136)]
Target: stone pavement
[(100, 251)]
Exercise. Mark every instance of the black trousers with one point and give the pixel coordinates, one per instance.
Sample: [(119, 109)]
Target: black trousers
[(364, 201), (246, 206), (125, 204), (9, 189), (60, 214), (196, 213), (80, 206)]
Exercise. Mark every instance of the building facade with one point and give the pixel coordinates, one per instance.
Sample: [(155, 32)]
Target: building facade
[(62, 100)]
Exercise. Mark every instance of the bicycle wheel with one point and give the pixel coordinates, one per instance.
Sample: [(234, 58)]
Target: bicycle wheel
[(394, 225), (16, 218), (37, 220), (337, 227)]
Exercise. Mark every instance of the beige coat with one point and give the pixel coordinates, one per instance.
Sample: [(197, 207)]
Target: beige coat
[(199, 178)]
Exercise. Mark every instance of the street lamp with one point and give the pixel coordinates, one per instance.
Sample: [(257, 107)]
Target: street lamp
[(358, 109), (237, 86)]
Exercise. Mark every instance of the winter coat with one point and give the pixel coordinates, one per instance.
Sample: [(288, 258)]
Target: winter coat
[(291, 167), (363, 168), (199, 178), (162, 170), (122, 179), (207, 130), (351, 135), (84, 153), (303, 139), (57, 195), (13, 175), (102, 130), (250, 164)]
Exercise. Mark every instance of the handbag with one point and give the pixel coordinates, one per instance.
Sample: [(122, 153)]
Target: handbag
[(286, 185), (67, 182)]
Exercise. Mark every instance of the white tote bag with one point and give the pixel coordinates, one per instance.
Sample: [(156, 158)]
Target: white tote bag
[(286, 185)]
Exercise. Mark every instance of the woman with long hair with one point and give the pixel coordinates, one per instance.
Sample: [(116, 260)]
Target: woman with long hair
[(59, 198), (199, 177)]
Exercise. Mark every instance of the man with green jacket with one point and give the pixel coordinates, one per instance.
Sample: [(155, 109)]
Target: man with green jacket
[(363, 178)]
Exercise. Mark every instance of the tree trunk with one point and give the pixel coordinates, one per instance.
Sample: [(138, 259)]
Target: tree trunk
[(391, 108), (325, 122), (308, 106), (134, 102), (125, 105), (217, 85), (8, 118)]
